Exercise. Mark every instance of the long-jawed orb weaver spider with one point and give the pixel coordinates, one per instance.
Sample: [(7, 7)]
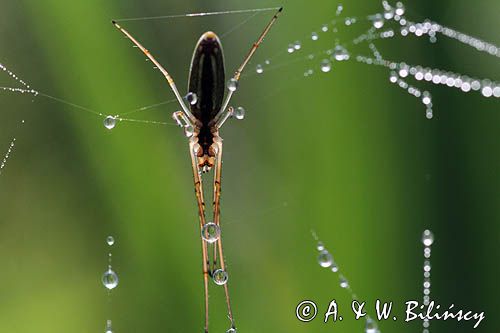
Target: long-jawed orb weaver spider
[(202, 121)]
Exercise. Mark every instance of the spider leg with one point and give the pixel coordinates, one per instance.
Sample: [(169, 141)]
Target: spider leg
[(170, 80), (237, 74), (216, 204), (198, 188)]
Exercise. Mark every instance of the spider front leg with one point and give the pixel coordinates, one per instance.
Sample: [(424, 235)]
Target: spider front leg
[(167, 76), (246, 60)]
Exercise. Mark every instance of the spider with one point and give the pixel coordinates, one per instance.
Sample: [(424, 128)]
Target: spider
[(208, 111)]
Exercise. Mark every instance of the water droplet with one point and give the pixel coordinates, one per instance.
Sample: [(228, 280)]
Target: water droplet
[(426, 98), (239, 113), (192, 98), (325, 65), (290, 48), (325, 259), (109, 327), (427, 266), (210, 232), (314, 36), (110, 240), (389, 13), (487, 91), (400, 9), (220, 277), (404, 70), (475, 85), (231, 330), (427, 238), (110, 279), (334, 267), (110, 122), (232, 84), (340, 8), (378, 21), (340, 53), (370, 326), (189, 131), (320, 246), (308, 72), (393, 77), (496, 91), (343, 282), (267, 62), (297, 45), (259, 69), (324, 28)]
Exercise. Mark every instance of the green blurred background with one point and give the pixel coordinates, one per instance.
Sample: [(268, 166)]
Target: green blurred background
[(346, 153)]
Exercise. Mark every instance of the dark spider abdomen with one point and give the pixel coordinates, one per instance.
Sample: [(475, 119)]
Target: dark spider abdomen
[(207, 81)]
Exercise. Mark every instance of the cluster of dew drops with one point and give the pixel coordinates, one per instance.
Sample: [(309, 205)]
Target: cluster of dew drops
[(9, 151), (239, 112), (26, 89), (7, 154), (400, 70), (339, 53), (109, 279), (210, 233), (325, 260), (427, 241)]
